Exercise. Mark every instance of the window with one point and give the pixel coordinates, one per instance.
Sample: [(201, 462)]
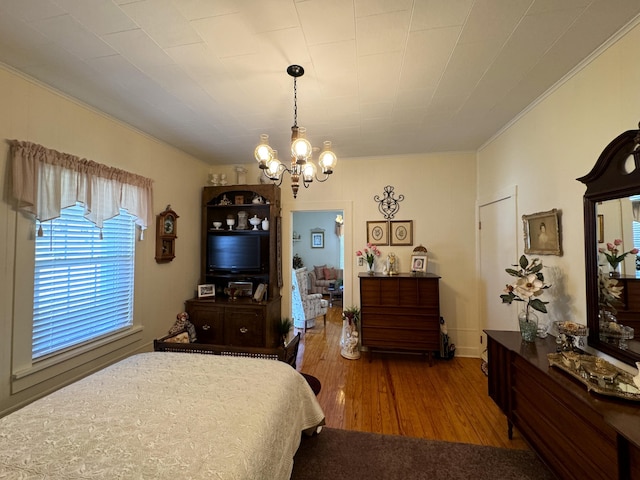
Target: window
[(83, 288)]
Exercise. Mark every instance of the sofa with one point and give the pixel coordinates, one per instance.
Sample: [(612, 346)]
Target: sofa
[(321, 277)]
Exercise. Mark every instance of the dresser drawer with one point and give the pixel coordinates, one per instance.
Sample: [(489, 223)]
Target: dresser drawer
[(209, 323), (244, 327), (401, 321), (403, 339)]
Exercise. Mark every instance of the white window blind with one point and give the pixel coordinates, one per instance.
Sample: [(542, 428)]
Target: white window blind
[(83, 287)]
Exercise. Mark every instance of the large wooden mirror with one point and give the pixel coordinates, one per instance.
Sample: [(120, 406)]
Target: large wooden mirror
[(609, 204)]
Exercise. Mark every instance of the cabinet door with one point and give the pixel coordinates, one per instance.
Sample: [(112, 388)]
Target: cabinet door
[(245, 327), (209, 323)]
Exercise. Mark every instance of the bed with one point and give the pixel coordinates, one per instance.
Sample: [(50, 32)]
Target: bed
[(164, 415)]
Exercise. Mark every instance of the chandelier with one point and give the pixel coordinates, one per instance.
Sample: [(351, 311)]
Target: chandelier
[(302, 166)]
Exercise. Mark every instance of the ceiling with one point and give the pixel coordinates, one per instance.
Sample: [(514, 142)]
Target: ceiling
[(382, 77)]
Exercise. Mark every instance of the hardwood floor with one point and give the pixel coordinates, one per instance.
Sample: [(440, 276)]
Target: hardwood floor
[(401, 394)]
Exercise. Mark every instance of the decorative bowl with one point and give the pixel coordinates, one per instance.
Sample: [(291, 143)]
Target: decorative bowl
[(217, 225), (255, 221)]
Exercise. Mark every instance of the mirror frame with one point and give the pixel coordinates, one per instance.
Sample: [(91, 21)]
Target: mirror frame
[(608, 180)]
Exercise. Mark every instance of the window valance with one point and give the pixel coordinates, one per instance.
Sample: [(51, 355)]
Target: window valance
[(46, 181)]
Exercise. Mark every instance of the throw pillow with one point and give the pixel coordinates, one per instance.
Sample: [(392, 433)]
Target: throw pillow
[(319, 270), (329, 273)]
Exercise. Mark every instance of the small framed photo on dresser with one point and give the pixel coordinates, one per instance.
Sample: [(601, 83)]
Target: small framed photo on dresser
[(207, 290)]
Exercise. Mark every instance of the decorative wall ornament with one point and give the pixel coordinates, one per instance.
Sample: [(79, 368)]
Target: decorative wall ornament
[(388, 205)]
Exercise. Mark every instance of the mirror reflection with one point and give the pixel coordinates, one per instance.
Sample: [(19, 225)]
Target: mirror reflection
[(618, 240)]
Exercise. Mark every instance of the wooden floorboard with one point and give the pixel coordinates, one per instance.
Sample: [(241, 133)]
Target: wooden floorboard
[(400, 393)]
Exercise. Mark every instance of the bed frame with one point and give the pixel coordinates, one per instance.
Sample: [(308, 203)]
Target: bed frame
[(287, 354)]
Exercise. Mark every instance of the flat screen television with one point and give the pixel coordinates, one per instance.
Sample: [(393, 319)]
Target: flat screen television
[(235, 253)]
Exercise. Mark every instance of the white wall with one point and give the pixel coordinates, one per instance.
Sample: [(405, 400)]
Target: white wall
[(36, 113), (557, 141)]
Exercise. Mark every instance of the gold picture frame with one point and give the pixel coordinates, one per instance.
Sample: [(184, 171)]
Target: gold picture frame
[(378, 233), (542, 233), (401, 232)]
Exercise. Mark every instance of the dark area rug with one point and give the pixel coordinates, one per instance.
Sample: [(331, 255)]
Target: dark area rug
[(341, 454)]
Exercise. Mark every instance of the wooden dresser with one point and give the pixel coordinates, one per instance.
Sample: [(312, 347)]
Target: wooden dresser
[(400, 312), (579, 435)]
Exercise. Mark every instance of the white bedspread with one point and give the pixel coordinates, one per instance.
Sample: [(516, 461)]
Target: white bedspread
[(165, 416)]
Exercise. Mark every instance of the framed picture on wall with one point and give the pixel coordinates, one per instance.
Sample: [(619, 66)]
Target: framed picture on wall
[(378, 233), (401, 232), (317, 239), (542, 234)]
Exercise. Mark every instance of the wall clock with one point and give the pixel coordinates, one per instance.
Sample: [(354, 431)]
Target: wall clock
[(166, 234)]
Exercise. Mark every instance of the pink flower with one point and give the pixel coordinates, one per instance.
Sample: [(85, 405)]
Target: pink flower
[(634, 251), (359, 253), (617, 241)]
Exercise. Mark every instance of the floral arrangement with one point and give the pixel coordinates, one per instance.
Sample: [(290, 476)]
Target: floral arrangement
[(369, 254), (352, 314), (528, 286), (608, 293), (612, 253)]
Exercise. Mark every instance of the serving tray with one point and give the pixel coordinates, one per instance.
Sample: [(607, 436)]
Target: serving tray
[(596, 374)]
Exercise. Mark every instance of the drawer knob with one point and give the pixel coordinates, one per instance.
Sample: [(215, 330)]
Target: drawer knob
[(244, 330), (206, 327)]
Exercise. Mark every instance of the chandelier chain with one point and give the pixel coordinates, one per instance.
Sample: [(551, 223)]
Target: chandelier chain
[(295, 103)]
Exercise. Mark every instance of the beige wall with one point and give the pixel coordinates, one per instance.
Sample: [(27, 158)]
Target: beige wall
[(557, 141), (439, 195), (37, 114)]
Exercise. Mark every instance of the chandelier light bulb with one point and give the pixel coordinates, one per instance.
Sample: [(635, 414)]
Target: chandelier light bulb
[(300, 146), (327, 159), (263, 152), (309, 170), (273, 170)]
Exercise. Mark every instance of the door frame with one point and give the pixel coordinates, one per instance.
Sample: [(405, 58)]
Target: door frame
[(287, 245), (507, 193)]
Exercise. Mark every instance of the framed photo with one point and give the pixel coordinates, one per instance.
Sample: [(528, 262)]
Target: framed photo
[(239, 199), (401, 232), (600, 228), (317, 239), (378, 233), (419, 263), (206, 290), (261, 291), (542, 234)]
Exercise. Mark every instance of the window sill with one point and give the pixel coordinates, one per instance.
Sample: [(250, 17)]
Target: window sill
[(50, 367)]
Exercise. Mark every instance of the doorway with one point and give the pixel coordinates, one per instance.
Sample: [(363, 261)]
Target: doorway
[(342, 250)]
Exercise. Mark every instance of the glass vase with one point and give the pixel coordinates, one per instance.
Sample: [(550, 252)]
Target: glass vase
[(528, 322), (615, 270), (371, 268)]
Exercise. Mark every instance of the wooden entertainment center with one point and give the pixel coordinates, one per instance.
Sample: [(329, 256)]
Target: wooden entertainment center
[(240, 253), (578, 434)]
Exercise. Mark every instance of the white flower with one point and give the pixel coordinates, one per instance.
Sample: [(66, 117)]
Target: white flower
[(527, 286)]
